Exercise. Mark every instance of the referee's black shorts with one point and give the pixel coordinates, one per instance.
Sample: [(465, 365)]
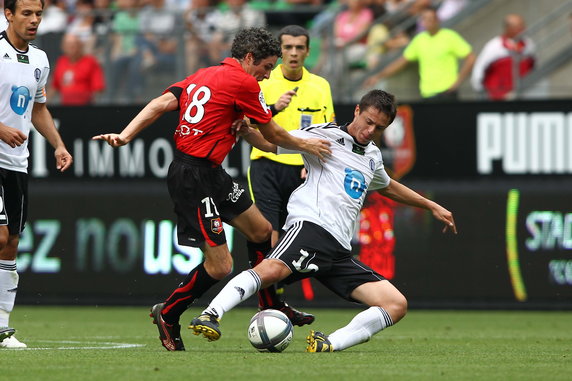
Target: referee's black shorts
[(271, 184), (311, 252), (14, 199), (204, 196)]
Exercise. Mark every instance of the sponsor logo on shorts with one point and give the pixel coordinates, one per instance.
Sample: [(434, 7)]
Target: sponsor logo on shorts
[(236, 192), (216, 226)]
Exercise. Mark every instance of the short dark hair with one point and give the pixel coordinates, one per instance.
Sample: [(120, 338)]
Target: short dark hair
[(11, 5), (258, 41), (381, 100), (296, 31)]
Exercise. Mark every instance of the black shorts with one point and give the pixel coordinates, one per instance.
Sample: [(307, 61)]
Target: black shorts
[(204, 196), (14, 199), (271, 184), (311, 252)]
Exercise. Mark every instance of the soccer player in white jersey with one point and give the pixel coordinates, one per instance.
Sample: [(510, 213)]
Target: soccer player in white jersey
[(322, 214), (24, 71)]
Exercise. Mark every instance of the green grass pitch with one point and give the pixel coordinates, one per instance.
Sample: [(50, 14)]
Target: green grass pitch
[(113, 343)]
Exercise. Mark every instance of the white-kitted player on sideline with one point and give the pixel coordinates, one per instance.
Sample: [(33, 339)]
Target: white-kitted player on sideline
[(24, 71), (322, 214)]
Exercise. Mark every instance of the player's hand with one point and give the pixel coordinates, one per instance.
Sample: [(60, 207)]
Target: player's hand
[(284, 100), (63, 159), (240, 127), (446, 217), (304, 173), (114, 140), (12, 136), (318, 147)]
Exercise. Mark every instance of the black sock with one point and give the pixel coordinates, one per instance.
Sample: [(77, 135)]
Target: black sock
[(257, 251), (267, 298), (195, 284)]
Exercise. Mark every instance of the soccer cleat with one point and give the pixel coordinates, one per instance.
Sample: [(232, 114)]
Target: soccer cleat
[(169, 334), (298, 318), (12, 343), (318, 342), (6, 332), (206, 324)]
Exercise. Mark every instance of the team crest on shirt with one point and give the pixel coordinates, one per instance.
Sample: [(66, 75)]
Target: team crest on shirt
[(263, 102), (216, 225), (37, 74), (372, 164)]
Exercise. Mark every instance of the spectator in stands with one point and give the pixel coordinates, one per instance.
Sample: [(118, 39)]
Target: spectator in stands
[(350, 30), (381, 40), (495, 66), (303, 2), (437, 50), (77, 76), (54, 18), (125, 69), (158, 42), (233, 16), (449, 8), (200, 24), (103, 16), (83, 24), (52, 29)]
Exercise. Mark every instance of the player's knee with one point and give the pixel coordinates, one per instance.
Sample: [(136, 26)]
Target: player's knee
[(271, 271), (397, 307)]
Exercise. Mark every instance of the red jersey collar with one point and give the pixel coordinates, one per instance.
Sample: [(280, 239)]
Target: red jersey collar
[(232, 62)]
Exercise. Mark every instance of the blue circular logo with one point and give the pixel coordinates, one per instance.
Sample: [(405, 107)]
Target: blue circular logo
[(354, 183), (20, 99)]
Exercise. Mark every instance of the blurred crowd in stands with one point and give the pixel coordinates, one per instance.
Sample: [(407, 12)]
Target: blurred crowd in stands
[(127, 51)]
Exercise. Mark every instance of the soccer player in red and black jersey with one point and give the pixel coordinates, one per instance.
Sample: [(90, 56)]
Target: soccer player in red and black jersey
[(211, 102)]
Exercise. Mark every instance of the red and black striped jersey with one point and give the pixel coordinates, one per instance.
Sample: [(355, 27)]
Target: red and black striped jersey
[(209, 101)]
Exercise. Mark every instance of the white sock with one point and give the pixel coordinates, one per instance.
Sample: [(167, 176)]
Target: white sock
[(362, 327), (239, 288), (8, 287)]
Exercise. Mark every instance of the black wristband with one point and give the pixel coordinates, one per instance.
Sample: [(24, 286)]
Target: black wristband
[(273, 110)]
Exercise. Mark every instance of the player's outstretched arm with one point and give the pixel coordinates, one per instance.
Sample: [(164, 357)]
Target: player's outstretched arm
[(279, 136), (150, 113), (253, 136), (400, 193), (43, 122)]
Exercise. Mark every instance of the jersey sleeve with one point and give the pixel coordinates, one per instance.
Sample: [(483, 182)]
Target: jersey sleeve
[(461, 47), (40, 96), (251, 101), (380, 177), (411, 52)]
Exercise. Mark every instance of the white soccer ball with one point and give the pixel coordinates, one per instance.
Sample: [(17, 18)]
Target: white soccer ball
[(270, 331)]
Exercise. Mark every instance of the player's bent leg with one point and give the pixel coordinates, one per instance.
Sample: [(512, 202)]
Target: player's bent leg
[(255, 226), (217, 264), (382, 294), (387, 307), (238, 289)]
